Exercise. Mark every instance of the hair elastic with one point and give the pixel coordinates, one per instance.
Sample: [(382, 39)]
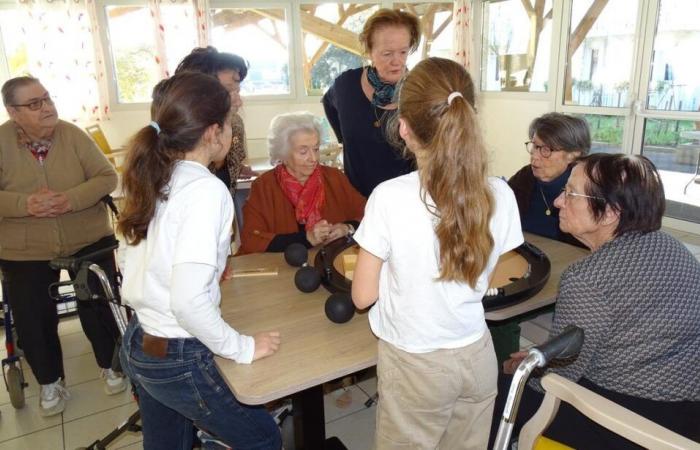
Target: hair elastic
[(452, 96), (155, 126)]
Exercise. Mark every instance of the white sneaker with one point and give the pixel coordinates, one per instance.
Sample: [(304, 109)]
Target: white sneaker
[(115, 382), (53, 398)]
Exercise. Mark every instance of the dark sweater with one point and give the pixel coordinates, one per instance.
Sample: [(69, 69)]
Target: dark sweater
[(529, 193), (367, 157)]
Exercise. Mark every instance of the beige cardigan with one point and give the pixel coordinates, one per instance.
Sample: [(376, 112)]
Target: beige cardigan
[(74, 166)]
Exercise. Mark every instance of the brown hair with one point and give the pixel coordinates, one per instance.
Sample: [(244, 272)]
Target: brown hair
[(10, 88), (630, 185), (184, 106), (452, 164), (562, 132), (390, 18)]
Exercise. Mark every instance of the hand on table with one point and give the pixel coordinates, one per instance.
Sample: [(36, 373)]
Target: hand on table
[(266, 343), (228, 272), (509, 365), (319, 233)]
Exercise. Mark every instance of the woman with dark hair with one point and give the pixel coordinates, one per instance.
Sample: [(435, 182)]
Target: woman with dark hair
[(230, 70), (637, 298), (556, 140), (360, 101), (428, 243), (177, 222)]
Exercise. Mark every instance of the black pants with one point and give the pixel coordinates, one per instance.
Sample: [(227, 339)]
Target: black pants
[(572, 428), (36, 319)]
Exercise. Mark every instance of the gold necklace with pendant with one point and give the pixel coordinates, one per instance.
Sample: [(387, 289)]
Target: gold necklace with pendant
[(547, 211), (378, 122)]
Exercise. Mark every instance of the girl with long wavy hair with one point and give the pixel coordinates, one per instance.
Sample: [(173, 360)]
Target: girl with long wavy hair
[(429, 242), (177, 223)]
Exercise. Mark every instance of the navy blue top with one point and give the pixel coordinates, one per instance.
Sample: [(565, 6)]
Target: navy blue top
[(368, 158), (535, 220)]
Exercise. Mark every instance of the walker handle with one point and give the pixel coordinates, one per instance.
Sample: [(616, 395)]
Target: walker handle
[(567, 344)]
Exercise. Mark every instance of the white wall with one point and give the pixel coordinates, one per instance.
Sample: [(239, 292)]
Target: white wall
[(505, 120)]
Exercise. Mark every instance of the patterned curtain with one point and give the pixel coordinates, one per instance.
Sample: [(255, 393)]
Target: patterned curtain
[(461, 32), (159, 29), (61, 52), (201, 15)]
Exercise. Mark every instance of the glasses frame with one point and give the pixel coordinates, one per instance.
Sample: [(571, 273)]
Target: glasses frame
[(570, 194), (40, 102), (540, 149)]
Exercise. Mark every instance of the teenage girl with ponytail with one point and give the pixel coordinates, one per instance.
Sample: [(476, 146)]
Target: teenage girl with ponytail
[(429, 242), (177, 223)]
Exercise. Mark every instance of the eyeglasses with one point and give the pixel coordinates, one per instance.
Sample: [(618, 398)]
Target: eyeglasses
[(36, 105), (571, 194), (545, 151)]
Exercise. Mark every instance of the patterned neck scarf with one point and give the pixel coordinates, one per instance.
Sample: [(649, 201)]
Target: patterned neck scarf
[(383, 92), (40, 148), (307, 198)]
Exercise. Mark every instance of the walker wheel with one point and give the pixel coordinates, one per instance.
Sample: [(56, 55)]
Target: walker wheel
[(15, 386)]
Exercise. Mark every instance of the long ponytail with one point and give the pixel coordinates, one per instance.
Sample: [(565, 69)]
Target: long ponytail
[(452, 163), (184, 106)]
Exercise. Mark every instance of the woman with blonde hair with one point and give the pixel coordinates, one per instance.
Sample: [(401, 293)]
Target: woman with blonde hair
[(429, 242)]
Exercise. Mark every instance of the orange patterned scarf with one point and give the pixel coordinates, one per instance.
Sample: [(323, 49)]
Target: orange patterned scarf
[(307, 198)]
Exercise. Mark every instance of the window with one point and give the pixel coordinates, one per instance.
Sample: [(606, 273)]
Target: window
[(137, 63), (330, 41), (606, 132), (600, 52), (515, 50), (436, 29), (261, 36), (15, 45)]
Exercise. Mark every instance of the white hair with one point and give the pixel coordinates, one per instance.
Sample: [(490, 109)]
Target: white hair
[(283, 127)]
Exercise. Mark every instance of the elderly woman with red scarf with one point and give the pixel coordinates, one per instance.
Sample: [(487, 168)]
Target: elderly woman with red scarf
[(299, 200)]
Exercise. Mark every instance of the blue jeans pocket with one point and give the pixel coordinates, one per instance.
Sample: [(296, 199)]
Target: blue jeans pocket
[(179, 393)]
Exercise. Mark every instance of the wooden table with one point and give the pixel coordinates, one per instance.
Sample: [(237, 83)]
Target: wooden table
[(314, 350)]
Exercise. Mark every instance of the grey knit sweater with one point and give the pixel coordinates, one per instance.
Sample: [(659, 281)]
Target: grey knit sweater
[(638, 300)]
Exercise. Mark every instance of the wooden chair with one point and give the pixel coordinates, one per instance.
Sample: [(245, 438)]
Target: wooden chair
[(612, 416), (115, 157)]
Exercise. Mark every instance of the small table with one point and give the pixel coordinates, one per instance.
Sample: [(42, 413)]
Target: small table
[(314, 350)]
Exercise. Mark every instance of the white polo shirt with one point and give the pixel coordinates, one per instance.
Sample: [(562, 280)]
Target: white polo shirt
[(415, 312), (192, 227)]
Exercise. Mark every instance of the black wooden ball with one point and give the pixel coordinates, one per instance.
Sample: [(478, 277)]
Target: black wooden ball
[(339, 307), (296, 254), (307, 279)]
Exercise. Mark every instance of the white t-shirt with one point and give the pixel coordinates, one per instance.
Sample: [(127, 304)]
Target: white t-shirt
[(414, 311), (189, 235)]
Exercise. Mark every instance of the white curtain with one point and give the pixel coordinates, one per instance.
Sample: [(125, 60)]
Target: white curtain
[(461, 32), (201, 15), (61, 52)]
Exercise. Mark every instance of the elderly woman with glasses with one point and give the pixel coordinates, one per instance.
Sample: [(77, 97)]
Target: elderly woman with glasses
[(52, 178), (299, 200), (637, 298), (556, 140)]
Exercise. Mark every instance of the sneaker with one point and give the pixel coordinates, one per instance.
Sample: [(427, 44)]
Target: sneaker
[(53, 398), (115, 382), (209, 442)]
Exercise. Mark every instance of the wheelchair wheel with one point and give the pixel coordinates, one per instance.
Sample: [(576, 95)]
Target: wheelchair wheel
[(15, 386)]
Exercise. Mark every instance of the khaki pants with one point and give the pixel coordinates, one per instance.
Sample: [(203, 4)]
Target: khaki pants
[(442, 399)]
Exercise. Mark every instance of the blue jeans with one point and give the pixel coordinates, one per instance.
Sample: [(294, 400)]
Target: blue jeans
[(185, 389)]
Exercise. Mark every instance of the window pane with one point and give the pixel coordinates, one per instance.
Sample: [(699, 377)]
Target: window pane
[(606, 132), (331, 46), (674, 147), (261, 36), (674, 83), (601, 46), (15, 44), (516, 51), (436, 29), (134, 54)]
